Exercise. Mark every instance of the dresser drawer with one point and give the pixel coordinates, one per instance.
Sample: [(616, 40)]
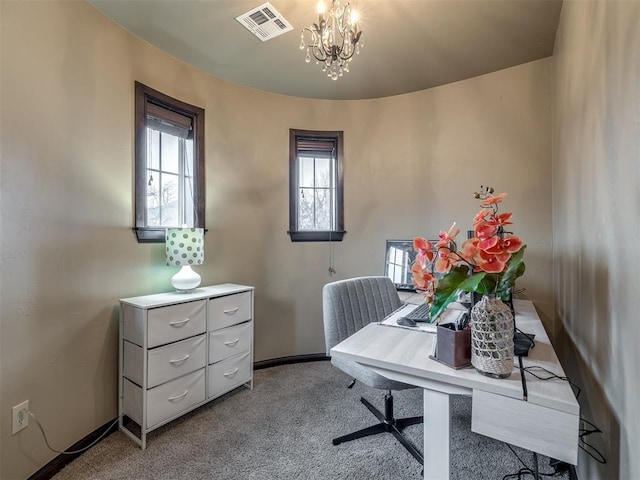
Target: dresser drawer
[(170, 399), (229, 310), (229, 341), (164, 363), (229, 373), (172, 361), (175, 322)]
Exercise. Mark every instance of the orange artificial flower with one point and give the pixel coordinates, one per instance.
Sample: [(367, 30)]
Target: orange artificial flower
[(425, 251), (500, 220), (470, 250), (507, 245), (480, 215), (423, 279), (484, 230), (448, 237), (492, 263), (488, 243), (445, 260), (491, 201), (512, 243)]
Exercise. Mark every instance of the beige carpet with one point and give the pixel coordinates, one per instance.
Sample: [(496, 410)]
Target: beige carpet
[(283, 430)]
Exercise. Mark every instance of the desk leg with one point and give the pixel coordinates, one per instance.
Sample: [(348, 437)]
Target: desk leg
[(436, 435)]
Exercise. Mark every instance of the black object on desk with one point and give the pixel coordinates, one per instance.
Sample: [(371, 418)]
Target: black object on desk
[(406, 322), (522, 343), (422, 313)]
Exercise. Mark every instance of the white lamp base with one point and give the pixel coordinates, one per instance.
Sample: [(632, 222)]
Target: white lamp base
[(186, 280)]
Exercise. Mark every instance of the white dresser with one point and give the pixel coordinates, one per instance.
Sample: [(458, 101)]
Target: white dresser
[(179, 351)]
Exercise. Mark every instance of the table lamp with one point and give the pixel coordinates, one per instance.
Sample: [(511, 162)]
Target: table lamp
[(185, 247)]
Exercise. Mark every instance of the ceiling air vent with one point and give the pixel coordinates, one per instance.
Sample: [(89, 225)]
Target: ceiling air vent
[(264, 22)]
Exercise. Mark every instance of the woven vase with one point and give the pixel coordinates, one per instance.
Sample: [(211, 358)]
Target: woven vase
[(492, 337)]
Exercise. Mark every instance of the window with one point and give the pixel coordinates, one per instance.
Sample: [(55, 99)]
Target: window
[(315, 186), (169, 165)]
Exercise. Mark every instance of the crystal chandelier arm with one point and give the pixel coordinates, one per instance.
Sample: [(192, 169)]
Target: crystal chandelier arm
[(313, 46)]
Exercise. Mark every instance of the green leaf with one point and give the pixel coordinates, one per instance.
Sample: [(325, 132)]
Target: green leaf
[(488, 284), (515, 269), (450, 285)]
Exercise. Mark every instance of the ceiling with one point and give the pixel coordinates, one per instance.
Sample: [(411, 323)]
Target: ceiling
[(408, 45)]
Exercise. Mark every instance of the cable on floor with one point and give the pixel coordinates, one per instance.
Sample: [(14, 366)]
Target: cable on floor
[(525, 470), (70, 452)]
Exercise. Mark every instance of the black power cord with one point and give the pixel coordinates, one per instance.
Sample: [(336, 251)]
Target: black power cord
[(526, 470), (559, 467), (592, 451), (531, 370)]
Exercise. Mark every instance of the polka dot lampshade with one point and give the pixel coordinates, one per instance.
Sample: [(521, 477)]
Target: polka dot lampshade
[(185, 246)]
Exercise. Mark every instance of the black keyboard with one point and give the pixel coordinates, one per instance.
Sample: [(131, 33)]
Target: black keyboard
[(422, 313)]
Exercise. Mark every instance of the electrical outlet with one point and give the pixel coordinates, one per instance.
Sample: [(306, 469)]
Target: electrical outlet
[(20, 417)]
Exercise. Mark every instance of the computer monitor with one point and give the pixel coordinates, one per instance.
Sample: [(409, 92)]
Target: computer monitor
[(399, 257)]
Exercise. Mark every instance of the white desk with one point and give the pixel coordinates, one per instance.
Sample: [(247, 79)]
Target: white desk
[(546, 421)]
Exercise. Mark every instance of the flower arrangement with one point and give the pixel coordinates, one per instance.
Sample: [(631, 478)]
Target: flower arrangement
[(488, 263)]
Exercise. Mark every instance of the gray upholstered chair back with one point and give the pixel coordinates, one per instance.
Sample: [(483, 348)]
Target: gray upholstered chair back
[(349, 305)]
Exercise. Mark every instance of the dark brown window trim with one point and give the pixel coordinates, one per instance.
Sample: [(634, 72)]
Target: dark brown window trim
[(143, 96), (315, 235), (153, 235)]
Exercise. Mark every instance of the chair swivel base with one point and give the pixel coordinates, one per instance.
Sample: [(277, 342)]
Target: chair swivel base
[(387, 424)]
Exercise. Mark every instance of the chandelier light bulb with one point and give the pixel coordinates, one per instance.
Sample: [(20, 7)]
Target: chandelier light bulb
[(320, 8)]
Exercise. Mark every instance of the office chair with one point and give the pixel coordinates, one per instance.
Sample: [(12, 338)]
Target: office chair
[(348, 306)]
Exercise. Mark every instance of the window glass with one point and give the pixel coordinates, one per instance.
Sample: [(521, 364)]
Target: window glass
[(305, 213), (169, 201), (153, 147), (306, 171), (169, 155), (323, 211), (323, 177)]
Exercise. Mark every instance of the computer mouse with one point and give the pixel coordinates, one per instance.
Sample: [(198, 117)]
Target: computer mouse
[(406, 322)]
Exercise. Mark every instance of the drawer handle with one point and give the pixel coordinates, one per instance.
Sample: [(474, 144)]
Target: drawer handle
[(230, 374), (179, 323), (178, 397), (232, 311), (180, 360), (232, 343)]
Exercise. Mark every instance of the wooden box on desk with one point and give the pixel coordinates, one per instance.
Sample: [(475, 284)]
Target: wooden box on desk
[(453, 347)]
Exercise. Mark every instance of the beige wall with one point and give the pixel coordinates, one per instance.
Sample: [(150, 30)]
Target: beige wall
[(68, 253), (596, 173)]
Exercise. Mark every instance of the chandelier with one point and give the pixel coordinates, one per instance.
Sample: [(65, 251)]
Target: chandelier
[(333, 40)]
